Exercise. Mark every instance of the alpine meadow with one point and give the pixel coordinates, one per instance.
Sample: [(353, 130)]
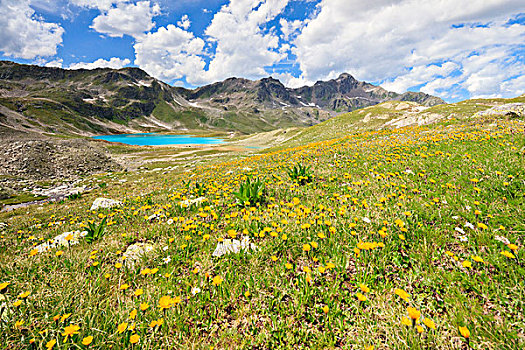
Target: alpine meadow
[(262, 174)]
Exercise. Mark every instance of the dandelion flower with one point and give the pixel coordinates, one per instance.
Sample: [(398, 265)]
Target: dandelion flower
[(464, 332), (413, 313), (406, 321), (24, 295), (360, 297), (402, 294), (87, 340), (165, 302), (3, 286), (122, 327), (70, 330), (50, 344), (364, 288), (508, 254), (429, 323), (217, 280), (467, 264), (134, 339)]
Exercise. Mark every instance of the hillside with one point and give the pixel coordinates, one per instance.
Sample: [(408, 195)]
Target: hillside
[(395, 114), (393, 239), (38, 100)]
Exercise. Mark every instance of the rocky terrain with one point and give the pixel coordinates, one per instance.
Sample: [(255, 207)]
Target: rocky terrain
[(38, 100), (48, 167)]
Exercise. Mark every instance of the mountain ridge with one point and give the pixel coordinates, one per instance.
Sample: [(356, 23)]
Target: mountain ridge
[(105, 100)]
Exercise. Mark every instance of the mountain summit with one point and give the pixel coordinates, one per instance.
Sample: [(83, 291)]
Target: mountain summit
[(100, 101)]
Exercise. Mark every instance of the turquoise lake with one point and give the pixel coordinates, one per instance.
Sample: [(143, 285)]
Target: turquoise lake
[(153, 139)]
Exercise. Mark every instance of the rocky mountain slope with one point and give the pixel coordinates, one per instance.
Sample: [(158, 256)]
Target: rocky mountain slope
[(37, 100)]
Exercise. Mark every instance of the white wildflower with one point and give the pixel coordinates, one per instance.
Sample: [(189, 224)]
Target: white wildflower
[(502, 239), (64, 239)]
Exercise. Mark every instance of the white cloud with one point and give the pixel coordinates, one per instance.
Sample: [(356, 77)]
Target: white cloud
[(399, 41), (290, 81), (290, 28), (184, 22), (243, 46), (102, 5), (419, 75), (132, 19), (514, 86), (24, 34), (170, 53), (55, 63), (113, 62)]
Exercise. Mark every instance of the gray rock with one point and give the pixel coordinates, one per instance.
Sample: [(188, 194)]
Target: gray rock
[(105, 203)]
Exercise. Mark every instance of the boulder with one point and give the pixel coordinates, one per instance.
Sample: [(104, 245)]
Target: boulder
[(104, 203), (135, 252)]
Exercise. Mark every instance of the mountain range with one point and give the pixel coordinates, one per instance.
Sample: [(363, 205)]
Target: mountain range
[(44, 100)]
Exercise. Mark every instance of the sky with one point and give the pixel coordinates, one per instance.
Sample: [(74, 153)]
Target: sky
[(454, 49)]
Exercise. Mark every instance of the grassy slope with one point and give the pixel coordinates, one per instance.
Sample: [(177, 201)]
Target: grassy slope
[(352, 122), (415, 185)]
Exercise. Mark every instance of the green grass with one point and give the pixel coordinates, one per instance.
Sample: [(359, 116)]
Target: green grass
[(21, 198), (385, 212)]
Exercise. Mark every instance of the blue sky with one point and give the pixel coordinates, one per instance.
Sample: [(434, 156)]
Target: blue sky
[(455, 49)]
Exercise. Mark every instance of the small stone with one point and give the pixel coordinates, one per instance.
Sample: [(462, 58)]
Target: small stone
[(229, 246)]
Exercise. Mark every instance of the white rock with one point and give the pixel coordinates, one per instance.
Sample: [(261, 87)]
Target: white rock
[(189, 202), (105, 203), (135, 252), (233, 246)]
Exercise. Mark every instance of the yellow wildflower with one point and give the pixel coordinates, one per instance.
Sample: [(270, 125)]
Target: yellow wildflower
[(464, 332), (87, 340)]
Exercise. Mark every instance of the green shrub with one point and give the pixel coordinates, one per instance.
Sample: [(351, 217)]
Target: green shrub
[(200, 190), (251, 193), (300, 174), (95, 232), (74, 196)]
